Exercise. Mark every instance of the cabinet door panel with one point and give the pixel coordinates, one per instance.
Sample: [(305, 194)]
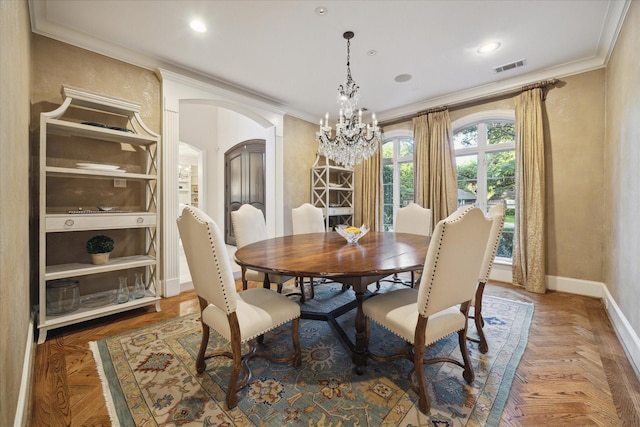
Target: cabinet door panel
[(234, 181), (255, 193)]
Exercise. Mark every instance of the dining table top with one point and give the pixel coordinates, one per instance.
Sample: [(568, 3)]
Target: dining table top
[(329, 255)]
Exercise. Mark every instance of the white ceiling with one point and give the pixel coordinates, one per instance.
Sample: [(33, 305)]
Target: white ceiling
[(286, 54)]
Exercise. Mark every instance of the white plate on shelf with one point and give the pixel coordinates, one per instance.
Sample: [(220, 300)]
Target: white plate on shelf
[(97, 166)]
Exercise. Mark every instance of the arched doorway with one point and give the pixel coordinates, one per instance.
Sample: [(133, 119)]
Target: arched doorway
[(181, 90)]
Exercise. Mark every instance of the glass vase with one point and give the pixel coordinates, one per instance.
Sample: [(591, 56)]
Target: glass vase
[(138, 287), (123, 291)]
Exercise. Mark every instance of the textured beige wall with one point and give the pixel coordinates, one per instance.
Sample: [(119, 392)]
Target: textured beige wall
[(575, 177), (622, 170), (300, 149), (14, 200), (56, 63)]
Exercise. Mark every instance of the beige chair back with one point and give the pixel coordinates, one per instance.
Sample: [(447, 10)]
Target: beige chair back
[(497, 214), (307, 219), (249, 225), (454, 257), (207, 257), (413, 219)]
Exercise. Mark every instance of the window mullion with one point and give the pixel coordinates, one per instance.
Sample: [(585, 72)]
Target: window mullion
[(482, 180)]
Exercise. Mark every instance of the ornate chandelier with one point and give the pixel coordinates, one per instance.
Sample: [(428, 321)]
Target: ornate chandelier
[(354, 141)]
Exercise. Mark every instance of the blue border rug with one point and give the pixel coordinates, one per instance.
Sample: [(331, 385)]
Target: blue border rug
[(149, 377)]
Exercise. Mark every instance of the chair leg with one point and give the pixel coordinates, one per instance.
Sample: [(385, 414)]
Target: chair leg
[(295, 325), (244, 279), (477, 314), (418, 360), (416, 281), (468, 373), (313, 292), (232, 392), (418, 363), (200, 363)]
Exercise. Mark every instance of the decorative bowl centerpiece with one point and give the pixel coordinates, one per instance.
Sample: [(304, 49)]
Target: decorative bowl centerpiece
[(350, 233)]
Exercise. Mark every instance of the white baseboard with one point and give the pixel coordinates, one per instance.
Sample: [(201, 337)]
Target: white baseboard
[(624, 331), (186, 286), (171, 287), (24, 395), (501, 273), (576, 286), (627, 336)]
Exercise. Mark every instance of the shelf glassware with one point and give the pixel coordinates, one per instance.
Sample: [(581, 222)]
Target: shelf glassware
[(123, 291), (138, 287)]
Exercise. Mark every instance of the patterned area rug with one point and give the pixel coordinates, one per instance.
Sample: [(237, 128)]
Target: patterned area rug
[(150, 378)]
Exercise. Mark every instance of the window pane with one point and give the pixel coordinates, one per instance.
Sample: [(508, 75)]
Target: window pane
[(397, 177), (501, 180), (501, 186), (406, 147), (467, 167), (406, 183), (467, 137), (387, 196), (498, 133), (387, 150)]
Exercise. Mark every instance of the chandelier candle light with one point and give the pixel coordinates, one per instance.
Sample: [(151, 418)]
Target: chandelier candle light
[(354, 141)]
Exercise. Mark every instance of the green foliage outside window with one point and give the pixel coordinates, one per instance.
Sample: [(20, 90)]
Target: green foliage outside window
[(500, 172)]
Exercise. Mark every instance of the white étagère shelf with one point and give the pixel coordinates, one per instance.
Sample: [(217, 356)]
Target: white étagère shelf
[(332, 190), (98, 175)]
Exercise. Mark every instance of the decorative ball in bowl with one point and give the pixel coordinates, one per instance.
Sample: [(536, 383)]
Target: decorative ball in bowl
[(350, 233)]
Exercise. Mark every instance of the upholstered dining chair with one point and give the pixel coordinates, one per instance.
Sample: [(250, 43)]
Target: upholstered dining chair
[(249, 226), (412, 219), (440, 305), (307, 219), (239, 317), (496, 213)]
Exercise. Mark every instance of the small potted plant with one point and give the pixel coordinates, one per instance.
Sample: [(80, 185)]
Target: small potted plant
[(100, 247)]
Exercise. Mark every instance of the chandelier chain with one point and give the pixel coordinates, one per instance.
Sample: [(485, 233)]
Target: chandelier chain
[(349, 60)]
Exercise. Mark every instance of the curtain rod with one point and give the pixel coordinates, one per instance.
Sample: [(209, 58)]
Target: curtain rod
[(543, 84)]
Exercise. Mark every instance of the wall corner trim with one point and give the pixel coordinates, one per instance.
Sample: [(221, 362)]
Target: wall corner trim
[(24, 396), (627, 336)]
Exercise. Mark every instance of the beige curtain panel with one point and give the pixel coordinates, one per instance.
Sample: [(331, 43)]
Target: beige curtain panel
[(436, 185), (368, 198), (528, 239)]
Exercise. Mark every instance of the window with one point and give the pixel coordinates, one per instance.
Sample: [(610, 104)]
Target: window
[(485, 161), (397, 177)]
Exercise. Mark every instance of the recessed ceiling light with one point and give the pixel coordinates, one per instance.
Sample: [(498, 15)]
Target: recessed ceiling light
[(372, 52), (321, 11), (401, 78), (489, 47), (198, 26)]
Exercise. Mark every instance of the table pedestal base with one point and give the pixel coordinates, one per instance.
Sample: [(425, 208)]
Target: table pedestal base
[(359, 352)]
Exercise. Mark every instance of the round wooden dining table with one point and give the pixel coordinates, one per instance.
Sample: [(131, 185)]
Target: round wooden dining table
[(327, 255)]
